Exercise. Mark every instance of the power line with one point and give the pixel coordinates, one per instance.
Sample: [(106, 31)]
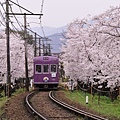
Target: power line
[(24, 18), (2, 16), (16, 19), (41, 8), (21, 7), (15, 29), (2, 6), (1, 21), (9, 21), (40, 18), (21, 12), (33, 32)]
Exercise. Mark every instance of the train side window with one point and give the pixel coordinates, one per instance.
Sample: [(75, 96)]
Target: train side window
[(45, 68), (53, 68), (38, 68)]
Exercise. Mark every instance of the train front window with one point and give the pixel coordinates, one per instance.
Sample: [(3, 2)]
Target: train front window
[(38, 68), (45, 68), (53, 68)]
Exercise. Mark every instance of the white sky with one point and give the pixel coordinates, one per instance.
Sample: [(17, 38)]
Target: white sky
[(58, 13)]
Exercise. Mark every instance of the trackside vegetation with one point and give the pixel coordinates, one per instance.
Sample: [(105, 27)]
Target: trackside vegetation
[(4, 99), (102, 105)]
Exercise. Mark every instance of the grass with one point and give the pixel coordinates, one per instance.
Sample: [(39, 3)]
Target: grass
[(103, 106), (4, 99)]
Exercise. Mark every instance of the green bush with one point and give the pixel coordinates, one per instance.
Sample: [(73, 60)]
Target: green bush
[(102, 105)]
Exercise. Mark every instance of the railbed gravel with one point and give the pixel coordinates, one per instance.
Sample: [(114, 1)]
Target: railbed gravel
[(49, 109), (15, 108)]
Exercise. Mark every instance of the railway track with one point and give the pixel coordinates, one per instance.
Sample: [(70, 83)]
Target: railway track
[(87, 115), (31, 109), (64, 112), (43, 108)]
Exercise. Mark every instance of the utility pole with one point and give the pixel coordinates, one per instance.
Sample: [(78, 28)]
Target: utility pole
[(49, 49), (39, 47), (35, 46), (8, 50), (26, 61), (44, 49), (35, 42), (25, 38)]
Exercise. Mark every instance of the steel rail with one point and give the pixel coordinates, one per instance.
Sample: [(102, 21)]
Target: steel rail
[(33, 111), (76, 110)]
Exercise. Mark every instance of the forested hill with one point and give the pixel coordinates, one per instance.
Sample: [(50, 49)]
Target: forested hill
[(49, 30), (54, 34)]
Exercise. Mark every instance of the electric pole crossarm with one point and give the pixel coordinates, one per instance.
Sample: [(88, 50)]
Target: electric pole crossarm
[(23, 14)]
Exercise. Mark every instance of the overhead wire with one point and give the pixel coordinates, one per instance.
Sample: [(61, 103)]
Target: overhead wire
[(26, 20), (2, 16), (21, 12), (16, 18), (0, 20), (20, 25), (46, 39), (2, 6), (19, 6), (16, 29), (41, 18), (30, 29), (41, 23)]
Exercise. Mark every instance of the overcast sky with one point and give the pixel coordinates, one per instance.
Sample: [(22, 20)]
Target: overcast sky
[(58, 13)]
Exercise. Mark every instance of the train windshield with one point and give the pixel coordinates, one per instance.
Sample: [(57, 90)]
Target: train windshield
[(45, 68), (38, 68), (53, 68)]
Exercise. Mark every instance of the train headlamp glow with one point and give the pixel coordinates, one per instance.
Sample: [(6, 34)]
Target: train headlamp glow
[(45, 79)]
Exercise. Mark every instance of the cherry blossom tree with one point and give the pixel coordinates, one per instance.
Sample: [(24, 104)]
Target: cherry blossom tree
[(17, 55), (92, 46)]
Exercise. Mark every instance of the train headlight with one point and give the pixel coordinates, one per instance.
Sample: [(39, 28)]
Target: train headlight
[(45, 79)]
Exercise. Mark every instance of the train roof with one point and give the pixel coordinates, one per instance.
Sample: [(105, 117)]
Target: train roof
[(43, 58)]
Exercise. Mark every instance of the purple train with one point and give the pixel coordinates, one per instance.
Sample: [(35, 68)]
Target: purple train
[(46, 73)]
